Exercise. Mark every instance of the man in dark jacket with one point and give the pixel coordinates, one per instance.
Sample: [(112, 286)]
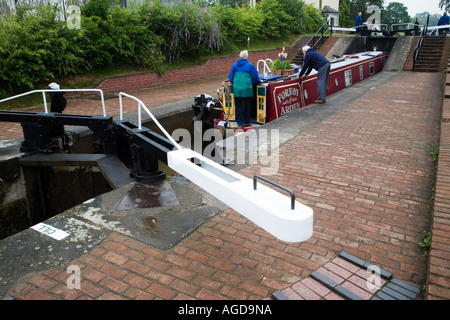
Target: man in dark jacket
[(243, 75), (314, 60), (58, 104), (444, 20), (358, 22)]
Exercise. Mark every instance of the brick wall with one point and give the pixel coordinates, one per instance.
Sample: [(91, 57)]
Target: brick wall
[(209, 68)]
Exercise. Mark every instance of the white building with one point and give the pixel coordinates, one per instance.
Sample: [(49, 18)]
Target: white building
[(328, 8)]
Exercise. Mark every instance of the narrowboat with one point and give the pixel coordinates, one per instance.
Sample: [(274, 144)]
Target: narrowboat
[(279, 95)]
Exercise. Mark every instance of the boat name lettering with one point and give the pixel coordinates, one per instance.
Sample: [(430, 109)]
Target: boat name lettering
[(290, 108), (286, 93)]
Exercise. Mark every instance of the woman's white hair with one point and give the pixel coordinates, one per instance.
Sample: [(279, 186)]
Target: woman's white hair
[(243, 54)]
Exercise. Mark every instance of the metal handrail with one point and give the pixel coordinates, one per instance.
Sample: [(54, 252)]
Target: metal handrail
[(256, 177), (321, 29), (44, 91), (141, 105), (419, 43), (436, 28), (264, 64)]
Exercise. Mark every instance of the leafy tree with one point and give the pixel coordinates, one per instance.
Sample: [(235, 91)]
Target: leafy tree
[(313, 19), (234, 3), (276, 22), (249, 24), (180, 30), (190, 31), (345, 19), (433, 20), (34, 47), (295, 8), (395, 12), (228, 21), (362, 5), (97, 8), (444, 4), (112, 35)]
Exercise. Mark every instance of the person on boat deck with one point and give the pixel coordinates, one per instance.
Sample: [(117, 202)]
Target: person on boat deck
[(315, 60), (358, 22), (242, 76), (444, 20)]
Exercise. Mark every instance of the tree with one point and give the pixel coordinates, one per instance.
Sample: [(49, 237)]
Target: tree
[(395, 12), (295, 8), (234, 3), (422, 18), (444, 4), (345, 19), (362, 5)]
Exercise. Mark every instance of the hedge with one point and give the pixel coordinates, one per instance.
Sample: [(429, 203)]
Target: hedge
[(35, 46)]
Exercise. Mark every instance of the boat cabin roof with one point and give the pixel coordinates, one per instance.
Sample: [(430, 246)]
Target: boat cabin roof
[(335, 63)]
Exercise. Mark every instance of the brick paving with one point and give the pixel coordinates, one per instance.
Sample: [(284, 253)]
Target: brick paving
[(439, 272), (366, 172)]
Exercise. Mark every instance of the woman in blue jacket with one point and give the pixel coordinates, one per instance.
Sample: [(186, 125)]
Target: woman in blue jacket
[(242, 75)]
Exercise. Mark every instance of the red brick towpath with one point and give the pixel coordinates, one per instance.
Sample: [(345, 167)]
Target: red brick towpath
[(367, 173)]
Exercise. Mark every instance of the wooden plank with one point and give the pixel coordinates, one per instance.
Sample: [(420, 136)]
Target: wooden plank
[(114, 171)]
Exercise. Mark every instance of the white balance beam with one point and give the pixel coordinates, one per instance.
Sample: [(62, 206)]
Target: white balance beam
[(264, 206), (284, 218)]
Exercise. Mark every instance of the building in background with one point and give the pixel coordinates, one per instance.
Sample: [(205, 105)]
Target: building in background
[(331, 15), (328, 8)]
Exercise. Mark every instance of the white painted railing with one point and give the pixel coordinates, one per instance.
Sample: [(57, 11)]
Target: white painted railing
[(44, 97), (141, 106)]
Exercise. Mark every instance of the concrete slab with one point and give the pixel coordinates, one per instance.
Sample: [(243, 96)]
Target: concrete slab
[(31, 251), (92, 221), (399, 54)]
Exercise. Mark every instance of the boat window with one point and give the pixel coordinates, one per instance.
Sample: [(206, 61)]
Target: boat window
[(305, 94), (348, 78), (371, 69), (361, 73), (336, 82)]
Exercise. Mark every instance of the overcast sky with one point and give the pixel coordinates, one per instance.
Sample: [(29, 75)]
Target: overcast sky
[(418, 6)]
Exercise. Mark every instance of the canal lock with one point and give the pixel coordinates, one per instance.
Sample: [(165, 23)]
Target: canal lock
[(30, 195)]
